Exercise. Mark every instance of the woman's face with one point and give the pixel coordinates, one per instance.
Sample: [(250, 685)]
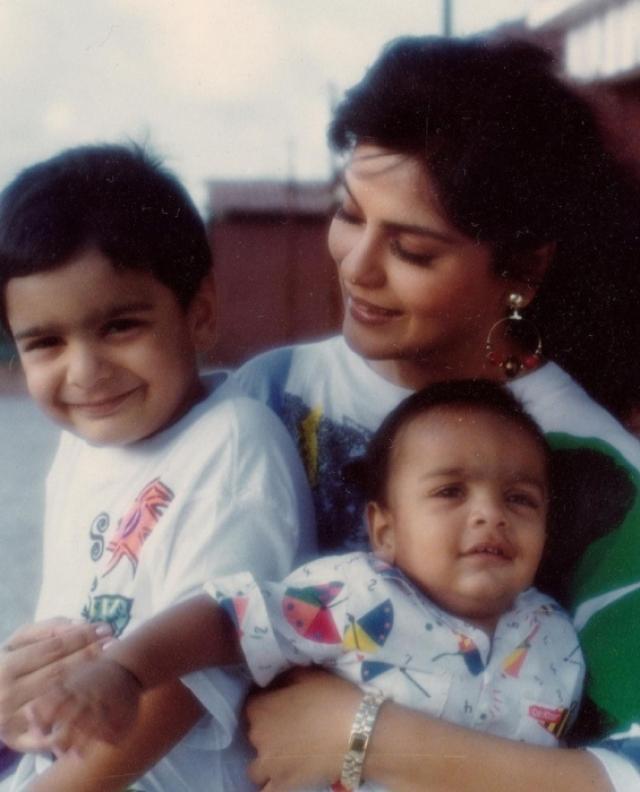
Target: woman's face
[(419, 295)]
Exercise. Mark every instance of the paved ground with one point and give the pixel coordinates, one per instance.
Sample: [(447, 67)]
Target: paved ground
[(27, 442)]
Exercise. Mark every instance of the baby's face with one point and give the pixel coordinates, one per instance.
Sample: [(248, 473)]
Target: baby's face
[(466, 510), (108, 354)]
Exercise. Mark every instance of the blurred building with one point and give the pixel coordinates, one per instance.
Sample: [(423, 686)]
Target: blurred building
[(597, 44), (275, 279)]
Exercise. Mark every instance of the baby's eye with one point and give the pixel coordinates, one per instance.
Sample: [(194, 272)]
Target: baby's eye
[(450, 491), (523, 499), (124, 325)]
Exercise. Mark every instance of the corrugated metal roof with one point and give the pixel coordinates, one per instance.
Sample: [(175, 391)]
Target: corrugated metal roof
[(268, 197), (562, 12)]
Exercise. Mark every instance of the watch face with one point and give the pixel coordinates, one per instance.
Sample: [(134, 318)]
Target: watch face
[(358, 742)]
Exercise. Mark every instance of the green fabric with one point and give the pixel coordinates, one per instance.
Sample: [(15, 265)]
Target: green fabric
[(611, 643), (611, 638)]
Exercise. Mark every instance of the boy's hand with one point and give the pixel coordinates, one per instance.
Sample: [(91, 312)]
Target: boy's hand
[(99, 701)]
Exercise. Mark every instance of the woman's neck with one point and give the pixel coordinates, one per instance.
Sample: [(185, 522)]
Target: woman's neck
[(416, 374)]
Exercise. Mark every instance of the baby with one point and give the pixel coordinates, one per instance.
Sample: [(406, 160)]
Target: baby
[(440, 616)]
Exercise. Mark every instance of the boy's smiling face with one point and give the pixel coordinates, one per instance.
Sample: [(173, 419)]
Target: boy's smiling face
[(108, 353), (465, 513)]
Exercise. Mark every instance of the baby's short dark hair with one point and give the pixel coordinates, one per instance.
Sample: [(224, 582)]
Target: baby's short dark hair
[(372, 472), (117, 199)]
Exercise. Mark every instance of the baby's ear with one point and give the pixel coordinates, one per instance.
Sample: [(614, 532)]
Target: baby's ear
[(381, 532), (202, 312)]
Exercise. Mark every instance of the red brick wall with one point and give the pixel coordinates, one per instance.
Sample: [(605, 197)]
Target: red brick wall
[(276, 284)]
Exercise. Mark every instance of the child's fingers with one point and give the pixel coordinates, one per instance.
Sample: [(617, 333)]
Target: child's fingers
[(55, 707), (62, 739)]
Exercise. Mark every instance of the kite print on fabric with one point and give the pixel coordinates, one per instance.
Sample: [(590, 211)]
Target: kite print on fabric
[(308, 611)]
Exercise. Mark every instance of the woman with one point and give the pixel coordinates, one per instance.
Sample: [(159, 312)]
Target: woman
[(476, 189)]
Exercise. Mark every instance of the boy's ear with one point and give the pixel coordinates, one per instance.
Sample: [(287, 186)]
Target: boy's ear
[(202, 313), (381, 532)]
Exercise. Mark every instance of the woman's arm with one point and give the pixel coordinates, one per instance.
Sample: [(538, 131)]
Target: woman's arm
[(166, 714), (408, 751)]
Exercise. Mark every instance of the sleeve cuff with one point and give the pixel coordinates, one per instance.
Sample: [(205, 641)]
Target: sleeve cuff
[(623, 774), (244, 601)]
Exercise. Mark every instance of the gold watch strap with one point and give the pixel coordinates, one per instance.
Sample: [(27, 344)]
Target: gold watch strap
[(359, 739)]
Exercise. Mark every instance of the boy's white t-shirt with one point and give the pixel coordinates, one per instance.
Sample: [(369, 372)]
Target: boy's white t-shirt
[(131, 531)]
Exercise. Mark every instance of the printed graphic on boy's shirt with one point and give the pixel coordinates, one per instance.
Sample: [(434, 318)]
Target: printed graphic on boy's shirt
[(308, 611), (469, 653), (512, 665), (137, 524), (370, 632), (113, 609), (555, 720), (132, 531)]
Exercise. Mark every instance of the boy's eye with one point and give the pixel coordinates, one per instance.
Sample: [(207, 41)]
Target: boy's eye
[(412, 257), (46, 342)]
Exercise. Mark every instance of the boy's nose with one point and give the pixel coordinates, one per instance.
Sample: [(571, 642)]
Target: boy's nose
[(85, 366), (488, 512)]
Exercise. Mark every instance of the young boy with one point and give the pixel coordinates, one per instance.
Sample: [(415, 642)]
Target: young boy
[(159, 478), (440, 617)]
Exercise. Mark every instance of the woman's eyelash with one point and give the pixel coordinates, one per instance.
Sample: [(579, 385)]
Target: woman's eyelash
[(406, 255), (343, 214)]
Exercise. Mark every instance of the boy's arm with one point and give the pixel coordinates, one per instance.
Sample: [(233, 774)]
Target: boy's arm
[(189, 636), (101, 698), (166, 714)]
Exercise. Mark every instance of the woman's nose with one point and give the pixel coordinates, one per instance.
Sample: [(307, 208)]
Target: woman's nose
[(362, 264), (86, 367)]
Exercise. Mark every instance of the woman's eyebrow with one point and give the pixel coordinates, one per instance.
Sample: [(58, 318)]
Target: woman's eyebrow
[(402, 228), (410, 228)]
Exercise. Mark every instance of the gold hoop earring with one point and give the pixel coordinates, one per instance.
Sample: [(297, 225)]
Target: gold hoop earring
[(512, 365)]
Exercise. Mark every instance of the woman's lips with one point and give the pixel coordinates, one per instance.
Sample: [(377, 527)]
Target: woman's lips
[(368, 313)]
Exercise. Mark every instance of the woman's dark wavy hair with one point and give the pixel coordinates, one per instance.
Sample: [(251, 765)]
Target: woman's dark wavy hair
[(115, 198), (519, 162)]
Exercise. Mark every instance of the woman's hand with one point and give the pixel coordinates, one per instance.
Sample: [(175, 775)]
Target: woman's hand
[(300, 731), (30, 660)]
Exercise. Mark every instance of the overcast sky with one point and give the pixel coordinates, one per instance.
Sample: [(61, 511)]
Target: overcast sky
[(220, 88)]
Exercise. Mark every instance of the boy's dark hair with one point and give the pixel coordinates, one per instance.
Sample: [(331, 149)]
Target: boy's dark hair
[(114, 198), (519, 162), (475, 395)]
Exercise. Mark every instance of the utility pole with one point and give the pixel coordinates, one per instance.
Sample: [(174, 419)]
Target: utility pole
[(447, 18)]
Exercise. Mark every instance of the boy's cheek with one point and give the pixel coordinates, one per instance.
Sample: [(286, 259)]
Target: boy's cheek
[(38, 386)]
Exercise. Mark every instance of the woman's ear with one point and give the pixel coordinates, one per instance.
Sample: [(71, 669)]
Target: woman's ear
[(525, 271), (381, 532), (202, 314)]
